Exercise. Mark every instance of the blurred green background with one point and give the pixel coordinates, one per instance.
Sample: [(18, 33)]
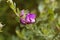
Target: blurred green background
[(46, 27)]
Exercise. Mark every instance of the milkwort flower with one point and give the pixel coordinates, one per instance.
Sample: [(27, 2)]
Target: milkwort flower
[(27, 17)]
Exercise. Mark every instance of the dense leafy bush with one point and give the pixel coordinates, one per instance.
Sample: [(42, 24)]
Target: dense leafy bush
[(46, 26)]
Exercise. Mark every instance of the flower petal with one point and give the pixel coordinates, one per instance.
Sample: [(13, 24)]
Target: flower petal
[(22, 13), (22, 21), (27, 18), (32, 20), (32, 15)]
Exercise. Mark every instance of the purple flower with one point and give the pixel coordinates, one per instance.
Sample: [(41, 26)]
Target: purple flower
[(28, 18)]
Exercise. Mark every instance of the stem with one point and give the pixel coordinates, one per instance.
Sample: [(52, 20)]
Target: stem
[(13, 7)]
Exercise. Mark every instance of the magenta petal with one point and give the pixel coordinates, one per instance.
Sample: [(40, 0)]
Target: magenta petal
[(27, 19), (31, 15), (30, 18), (22, 21), (22, 13)]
